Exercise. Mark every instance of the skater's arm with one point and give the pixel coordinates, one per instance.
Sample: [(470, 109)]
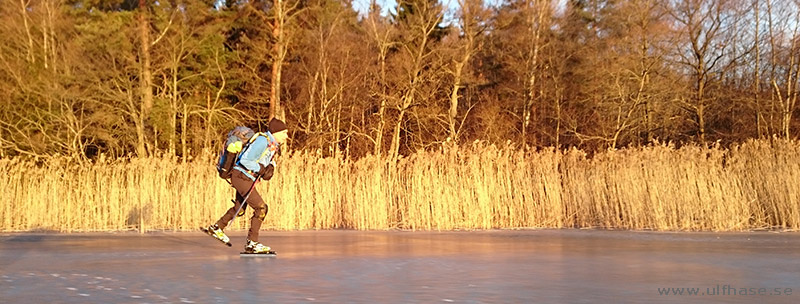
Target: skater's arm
[(267, 165)]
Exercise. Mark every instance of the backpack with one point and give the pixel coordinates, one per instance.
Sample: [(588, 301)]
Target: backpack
[(236, 140)]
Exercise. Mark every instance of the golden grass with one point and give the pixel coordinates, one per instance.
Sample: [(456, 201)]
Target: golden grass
[(755, 185)]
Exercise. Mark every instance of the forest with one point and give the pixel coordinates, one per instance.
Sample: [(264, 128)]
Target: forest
[(85, 78), (415, 115)]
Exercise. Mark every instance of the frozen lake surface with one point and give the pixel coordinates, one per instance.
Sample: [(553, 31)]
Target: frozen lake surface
[(528, 266)]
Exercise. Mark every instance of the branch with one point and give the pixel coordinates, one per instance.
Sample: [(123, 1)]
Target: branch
[(164, 32)]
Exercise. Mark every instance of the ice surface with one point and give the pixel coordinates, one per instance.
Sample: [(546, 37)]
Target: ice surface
[(527, 266)]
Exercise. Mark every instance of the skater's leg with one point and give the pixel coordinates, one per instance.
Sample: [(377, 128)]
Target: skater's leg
[(226, 218), (242, 185), (259, 213)]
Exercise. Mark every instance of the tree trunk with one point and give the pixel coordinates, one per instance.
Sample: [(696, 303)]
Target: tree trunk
[(536, 12), (451, 114), (173, 117), (382, 37), (279, 54), (24, 9), (184, 126), (395, 147), (146, 93), (146, 82), (700, 108), (382, 109), (209, 122), (791, 81), (469, 27), (757, 72)]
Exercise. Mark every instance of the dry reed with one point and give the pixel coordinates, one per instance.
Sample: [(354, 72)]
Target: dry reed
[(755, 185)]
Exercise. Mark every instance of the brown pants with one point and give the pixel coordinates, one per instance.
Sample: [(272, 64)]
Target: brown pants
[(242, 184)]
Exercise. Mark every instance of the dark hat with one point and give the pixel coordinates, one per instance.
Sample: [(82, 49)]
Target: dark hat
[(276, 125)]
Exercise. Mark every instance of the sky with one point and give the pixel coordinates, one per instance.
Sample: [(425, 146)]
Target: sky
[(388, 5), (363, 5), (451, 5)]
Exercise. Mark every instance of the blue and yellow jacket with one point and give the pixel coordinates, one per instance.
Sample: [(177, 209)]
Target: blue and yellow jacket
[(259, 152)]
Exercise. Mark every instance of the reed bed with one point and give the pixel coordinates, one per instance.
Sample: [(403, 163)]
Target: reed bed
[(755, 185)]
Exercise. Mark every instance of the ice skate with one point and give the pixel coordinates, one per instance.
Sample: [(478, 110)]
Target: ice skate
[(217, 233), (256, 249)]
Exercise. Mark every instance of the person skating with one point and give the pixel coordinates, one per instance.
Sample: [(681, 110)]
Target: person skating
[(256, 159)]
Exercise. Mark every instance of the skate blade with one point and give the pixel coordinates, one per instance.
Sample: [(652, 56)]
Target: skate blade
[(204, 229), (264, 255)]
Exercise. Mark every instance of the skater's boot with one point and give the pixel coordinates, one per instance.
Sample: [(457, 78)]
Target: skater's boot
[(255, 247), (217, 233)]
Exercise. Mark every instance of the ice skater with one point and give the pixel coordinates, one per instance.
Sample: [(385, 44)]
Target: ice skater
[(250, 158)]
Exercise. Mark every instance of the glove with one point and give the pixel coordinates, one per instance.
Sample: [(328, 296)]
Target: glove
[(234, 147), (266, 172)]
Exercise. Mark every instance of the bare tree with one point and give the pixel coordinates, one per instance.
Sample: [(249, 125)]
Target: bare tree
[(639, 31), (145, 78), (759, 115), (420, 23), (784, 43), (23, 9), (538, 15), (329, 63), (214, 112), (382, 35), (702, 24), (283, 12), (471, 15)]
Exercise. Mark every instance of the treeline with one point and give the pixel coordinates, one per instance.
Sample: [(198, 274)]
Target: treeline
[(143, 77)]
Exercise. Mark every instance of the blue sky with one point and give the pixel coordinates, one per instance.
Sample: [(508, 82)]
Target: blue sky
[(362, 5)]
